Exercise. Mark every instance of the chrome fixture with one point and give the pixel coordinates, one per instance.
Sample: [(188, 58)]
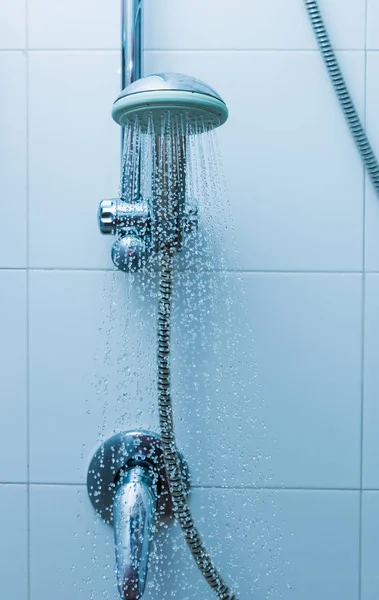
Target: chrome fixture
[(138, 223), (127, 481), (134, 478), (155, 94), (128, 487), (131, 43), (138, 230), (128, 249)]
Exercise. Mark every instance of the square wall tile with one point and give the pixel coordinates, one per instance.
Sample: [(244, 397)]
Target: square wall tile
[(272, 24), (71, 551), (370, 545), (12, 25), (318, 542), (91, 368), (74, 156), (301, 545), (13, 159), (240, 420), (293, 172), (371, 386), (372, 200), (13, 542), (308, 337), (284, 408), (74, 24), (13, 385)]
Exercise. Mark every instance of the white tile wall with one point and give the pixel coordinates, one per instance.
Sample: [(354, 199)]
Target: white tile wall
[(13, 159), (13, 541), (294, 176), (372, 204), (66, 386), (308, 343), (372, 25), (299, 334), (73, 155), (63, 513), (12, 25), (272, 24), (303, 561), (371, 384), (370, 549), (13, 377), (306, 227), (74, 24), (307, 340)]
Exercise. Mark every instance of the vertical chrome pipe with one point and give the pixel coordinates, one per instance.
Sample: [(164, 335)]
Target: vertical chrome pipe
[(131, 41), (131, 44)]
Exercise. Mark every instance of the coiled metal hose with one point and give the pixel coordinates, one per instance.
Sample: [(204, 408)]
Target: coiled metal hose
[(167, 429), (166, 419), (347, 104)]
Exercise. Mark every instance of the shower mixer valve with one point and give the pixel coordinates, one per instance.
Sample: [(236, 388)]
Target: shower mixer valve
[(131, 222), (140, 231), (128, 487)]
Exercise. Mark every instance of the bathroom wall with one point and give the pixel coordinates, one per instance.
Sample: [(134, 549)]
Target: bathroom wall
[(307, 229)]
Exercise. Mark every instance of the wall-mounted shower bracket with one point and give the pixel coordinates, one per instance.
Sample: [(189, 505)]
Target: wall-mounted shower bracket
[(138, 230), (128, 487), (116, 214)]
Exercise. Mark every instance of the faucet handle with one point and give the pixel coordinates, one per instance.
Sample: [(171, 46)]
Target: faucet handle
[(134, 509), (129, 252), (127, 485), (106, 216)]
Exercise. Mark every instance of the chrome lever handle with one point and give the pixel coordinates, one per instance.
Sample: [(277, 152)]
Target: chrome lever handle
[(128, 487), (134, 511)]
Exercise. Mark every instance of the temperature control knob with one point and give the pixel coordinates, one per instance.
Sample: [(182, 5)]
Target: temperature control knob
[(129, 253)]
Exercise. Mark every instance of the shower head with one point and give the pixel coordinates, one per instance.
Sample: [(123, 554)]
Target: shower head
[(154, 95)]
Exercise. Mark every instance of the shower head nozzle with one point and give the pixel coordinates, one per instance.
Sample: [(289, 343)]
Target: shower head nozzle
[(155, 95)]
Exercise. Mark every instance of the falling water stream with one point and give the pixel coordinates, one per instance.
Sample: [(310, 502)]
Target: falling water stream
[(174, 164), (219, 412)]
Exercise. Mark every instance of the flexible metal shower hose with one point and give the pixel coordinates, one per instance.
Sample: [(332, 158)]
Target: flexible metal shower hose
[(348, 107), (167, 427)]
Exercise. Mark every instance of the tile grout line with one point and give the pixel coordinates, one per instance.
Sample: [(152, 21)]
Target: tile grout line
[(212, 486), (363, 322), (27, 301), (188, 50), (242, 271)]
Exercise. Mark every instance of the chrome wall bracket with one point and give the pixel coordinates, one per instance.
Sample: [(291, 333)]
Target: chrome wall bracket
[(128, 487), (138, 230), (131, 222)]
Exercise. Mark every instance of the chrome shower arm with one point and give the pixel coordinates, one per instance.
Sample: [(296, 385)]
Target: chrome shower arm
[(131, 43), (134, 508)]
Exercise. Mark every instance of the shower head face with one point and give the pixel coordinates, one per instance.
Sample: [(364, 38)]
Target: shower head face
[(154, 96)]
